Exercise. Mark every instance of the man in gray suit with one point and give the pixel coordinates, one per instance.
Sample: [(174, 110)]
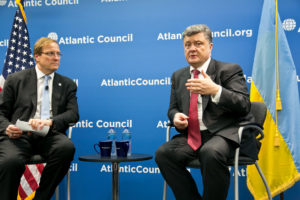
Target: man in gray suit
[(23, 98), (208, 130)]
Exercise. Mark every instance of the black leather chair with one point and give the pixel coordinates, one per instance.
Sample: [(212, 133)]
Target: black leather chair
[(38, 159), (259, 111)]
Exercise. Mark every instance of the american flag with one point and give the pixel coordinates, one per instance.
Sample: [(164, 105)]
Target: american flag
[(19, 57)]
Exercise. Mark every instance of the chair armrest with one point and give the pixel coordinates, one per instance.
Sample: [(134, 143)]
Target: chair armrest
[(70, 130), (170, 125), (246, 123), (251, 126), (168, 133)]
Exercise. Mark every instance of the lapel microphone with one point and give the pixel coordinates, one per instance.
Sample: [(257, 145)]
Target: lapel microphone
[(46, 87)]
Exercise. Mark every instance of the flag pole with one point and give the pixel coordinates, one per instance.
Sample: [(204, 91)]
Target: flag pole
[(22, 10), (278, 100), (278, 105)]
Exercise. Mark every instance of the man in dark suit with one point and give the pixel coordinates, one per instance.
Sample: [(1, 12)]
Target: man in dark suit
[(208, 100), (41, 97)]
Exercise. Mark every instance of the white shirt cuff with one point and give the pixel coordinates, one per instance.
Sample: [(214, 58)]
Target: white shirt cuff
[(216, 98)]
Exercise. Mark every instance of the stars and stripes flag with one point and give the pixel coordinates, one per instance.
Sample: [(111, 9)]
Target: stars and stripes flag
[(19, 57)]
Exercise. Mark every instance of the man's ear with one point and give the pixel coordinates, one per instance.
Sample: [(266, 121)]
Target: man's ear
[(36, 57)]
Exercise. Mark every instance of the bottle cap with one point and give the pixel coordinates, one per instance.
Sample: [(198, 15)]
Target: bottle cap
[(126, 131), (111, 130)]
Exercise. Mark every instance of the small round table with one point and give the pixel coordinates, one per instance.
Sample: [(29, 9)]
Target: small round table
[(115, 166)]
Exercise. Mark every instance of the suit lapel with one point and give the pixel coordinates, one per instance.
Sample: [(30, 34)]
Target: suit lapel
[(32, 80), (57, 87), (185, 93)]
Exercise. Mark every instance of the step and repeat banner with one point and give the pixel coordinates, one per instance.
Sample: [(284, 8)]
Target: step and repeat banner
[(121, 54)]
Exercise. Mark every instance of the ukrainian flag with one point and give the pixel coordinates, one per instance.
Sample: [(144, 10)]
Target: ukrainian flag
[(274, 82)]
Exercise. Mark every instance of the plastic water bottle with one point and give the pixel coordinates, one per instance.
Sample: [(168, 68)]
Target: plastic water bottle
[(126, 135), (111, 135)]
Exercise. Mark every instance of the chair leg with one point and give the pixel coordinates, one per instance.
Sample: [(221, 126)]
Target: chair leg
[(264, 180), (57, 193), (165, 191), (68, 186), (236, 174)]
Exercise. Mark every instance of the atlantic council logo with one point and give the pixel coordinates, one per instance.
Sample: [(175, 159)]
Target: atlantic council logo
[(53, 35), (289, 24), (3, 2), (40, 3), (90, 39)]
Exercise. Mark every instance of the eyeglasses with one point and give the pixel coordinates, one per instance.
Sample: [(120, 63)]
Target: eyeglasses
[(52, 54)]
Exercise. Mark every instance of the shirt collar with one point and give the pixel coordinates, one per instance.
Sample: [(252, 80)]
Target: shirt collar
[(203, 67), (40, 74)]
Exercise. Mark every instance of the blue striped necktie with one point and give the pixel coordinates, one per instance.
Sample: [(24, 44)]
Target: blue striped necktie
[(45, 107)]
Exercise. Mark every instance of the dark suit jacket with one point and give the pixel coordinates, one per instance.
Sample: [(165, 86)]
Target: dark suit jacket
[(234, 105), (19, 100)]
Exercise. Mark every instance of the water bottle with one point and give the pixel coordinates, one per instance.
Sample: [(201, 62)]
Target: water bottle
[(111, 135), (126, 135)]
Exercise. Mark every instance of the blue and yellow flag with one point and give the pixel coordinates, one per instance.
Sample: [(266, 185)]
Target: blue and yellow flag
[(274, 82)]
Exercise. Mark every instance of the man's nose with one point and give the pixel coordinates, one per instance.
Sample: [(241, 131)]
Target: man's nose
[(56, 56), (193, 47)]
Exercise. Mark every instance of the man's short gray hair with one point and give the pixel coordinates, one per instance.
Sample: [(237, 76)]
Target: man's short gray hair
[(198, 28)]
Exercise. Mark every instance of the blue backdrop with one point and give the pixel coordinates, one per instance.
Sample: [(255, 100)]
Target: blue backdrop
[(122, 53)]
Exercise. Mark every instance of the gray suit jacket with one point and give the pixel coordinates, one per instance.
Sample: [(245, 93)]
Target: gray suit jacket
[(234, 105), (19, 100)]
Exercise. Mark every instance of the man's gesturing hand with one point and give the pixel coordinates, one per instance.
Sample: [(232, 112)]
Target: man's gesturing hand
[(203, 86)]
